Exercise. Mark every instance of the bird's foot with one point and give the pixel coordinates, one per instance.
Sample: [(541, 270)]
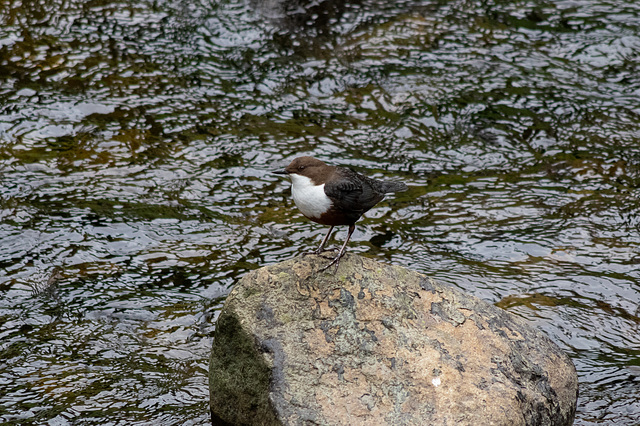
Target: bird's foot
[(335, 261), (318, 253)]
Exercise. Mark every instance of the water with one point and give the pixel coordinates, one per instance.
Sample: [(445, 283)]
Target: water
[(136, 140)]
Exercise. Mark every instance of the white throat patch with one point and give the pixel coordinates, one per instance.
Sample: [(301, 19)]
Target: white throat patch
[(309, 198)]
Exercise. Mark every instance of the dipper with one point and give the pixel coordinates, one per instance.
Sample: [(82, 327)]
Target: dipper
[(334, 196)]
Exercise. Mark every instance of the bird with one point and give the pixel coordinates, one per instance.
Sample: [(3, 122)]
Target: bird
[(334, 196)]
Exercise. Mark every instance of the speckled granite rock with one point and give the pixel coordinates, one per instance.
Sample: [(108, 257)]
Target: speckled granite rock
[(379, 344)]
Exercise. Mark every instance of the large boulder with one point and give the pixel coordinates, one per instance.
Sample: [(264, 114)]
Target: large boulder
[(377, 344)]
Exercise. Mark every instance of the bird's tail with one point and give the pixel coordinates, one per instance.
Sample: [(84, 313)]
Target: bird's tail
[(393, 187)]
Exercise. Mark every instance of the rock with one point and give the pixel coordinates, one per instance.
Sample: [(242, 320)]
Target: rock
[(377, 344)]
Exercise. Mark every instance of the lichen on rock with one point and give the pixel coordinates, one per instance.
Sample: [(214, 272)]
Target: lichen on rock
[(379, 344)]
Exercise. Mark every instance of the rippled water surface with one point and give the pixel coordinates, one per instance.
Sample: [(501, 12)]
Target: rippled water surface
[(136, 140)]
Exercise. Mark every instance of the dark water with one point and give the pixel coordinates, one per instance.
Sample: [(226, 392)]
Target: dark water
[(136, 140)]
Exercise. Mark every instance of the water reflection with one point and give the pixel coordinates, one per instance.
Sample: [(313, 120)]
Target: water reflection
[(136, 141)]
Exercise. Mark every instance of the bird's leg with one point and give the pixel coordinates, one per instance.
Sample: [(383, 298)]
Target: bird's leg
[(324, 241), (336, 261), (321, 248)]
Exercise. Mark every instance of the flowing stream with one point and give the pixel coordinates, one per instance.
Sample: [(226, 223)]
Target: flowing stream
[(137, 140)]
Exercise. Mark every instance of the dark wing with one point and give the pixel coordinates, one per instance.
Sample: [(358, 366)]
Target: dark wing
[(344, 192), (353, 193)]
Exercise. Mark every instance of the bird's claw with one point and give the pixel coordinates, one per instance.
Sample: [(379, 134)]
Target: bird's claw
[(335, 261), (318, 253)]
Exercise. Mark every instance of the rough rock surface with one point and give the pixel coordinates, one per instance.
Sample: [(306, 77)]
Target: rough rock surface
[(377, 344)]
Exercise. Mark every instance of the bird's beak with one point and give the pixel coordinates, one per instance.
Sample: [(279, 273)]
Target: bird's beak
[(281, 172)]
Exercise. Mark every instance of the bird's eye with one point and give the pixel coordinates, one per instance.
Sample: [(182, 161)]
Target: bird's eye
[(300, 167)]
